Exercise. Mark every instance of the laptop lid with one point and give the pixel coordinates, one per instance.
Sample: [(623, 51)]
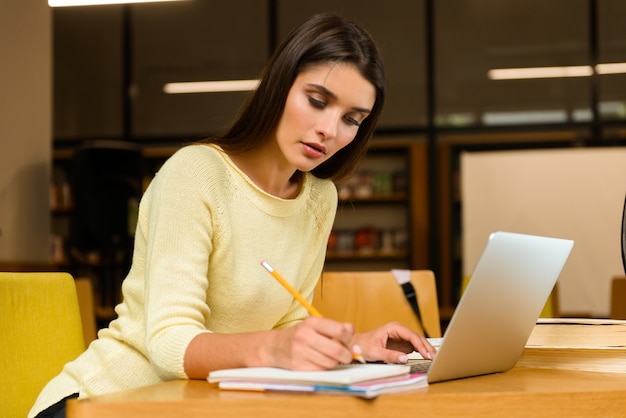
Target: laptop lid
[(500, 306)]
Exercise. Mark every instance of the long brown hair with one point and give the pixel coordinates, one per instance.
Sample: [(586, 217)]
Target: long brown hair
[(322, 38)]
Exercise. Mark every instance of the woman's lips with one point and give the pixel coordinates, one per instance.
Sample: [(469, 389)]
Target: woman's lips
[(313, 150)]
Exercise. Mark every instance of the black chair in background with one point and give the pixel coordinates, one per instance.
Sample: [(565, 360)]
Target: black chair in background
[(107, 185)]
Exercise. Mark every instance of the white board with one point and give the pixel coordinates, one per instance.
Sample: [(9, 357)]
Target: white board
[(572, 193)]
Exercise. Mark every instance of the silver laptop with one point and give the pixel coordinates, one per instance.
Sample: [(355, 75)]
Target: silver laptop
[(500, 306)]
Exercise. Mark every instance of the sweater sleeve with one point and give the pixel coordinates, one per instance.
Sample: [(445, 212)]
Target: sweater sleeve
[(178, 230)]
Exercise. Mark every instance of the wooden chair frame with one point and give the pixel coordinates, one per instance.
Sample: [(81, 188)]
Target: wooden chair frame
[(371, 299)]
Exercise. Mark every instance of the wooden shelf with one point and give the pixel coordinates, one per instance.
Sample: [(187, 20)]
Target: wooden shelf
[(365, 203), (395, 197), (366, 255)]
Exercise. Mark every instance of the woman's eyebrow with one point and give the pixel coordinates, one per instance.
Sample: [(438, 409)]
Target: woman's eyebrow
[(329, 93)]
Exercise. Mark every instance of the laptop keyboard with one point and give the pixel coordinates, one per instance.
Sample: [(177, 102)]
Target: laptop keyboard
[(435, 342), (419, 366)]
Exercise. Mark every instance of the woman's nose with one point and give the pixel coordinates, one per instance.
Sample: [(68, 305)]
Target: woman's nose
[(327, 125)]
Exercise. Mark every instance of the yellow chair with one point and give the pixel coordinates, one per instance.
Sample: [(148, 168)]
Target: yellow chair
[(373, 298), (40, 330), (84, 290)]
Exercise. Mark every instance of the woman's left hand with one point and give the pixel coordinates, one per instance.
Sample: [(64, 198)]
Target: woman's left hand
[(391, 343)]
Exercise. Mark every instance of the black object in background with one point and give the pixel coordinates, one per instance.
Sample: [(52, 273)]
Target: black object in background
[(107, 185), (107, 182)]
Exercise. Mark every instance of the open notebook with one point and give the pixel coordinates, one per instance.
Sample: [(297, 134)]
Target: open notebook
[(362, 380), (500, 306)]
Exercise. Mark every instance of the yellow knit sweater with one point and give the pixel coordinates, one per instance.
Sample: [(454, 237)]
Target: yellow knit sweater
[(203, 230)]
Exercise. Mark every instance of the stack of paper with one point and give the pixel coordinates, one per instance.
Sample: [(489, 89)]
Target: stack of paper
[(363, 380)]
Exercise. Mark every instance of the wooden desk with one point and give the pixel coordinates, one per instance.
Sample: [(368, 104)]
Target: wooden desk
[(521, 392)]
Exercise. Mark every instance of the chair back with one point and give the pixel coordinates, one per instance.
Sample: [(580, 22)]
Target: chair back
[(84, 290), (373, 298), (41, 330)]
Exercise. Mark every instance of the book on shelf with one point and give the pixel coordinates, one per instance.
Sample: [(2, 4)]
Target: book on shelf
[(361, 380), (577, 344)]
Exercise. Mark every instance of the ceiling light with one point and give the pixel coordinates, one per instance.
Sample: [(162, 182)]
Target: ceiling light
[(539, 72), (524, 117), (68, 3), (210, 86), (555, 72), (612, 68)]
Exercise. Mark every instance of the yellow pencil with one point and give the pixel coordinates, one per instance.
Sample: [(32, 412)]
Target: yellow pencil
[(312, 311)]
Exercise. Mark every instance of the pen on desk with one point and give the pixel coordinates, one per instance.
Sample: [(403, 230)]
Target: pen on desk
[(312, 311)]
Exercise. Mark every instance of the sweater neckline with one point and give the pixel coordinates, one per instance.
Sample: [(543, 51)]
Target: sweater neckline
[(265, 201)]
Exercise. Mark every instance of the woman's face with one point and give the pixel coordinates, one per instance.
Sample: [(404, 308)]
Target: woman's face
[(324, 109)]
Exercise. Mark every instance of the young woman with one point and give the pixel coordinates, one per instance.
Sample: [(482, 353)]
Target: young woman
[(196, 297)]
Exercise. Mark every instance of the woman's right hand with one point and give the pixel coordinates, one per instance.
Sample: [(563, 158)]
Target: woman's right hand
[(313, 344)]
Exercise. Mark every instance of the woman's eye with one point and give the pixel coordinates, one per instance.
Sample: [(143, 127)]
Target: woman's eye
[(317, 103), (351, 121)]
